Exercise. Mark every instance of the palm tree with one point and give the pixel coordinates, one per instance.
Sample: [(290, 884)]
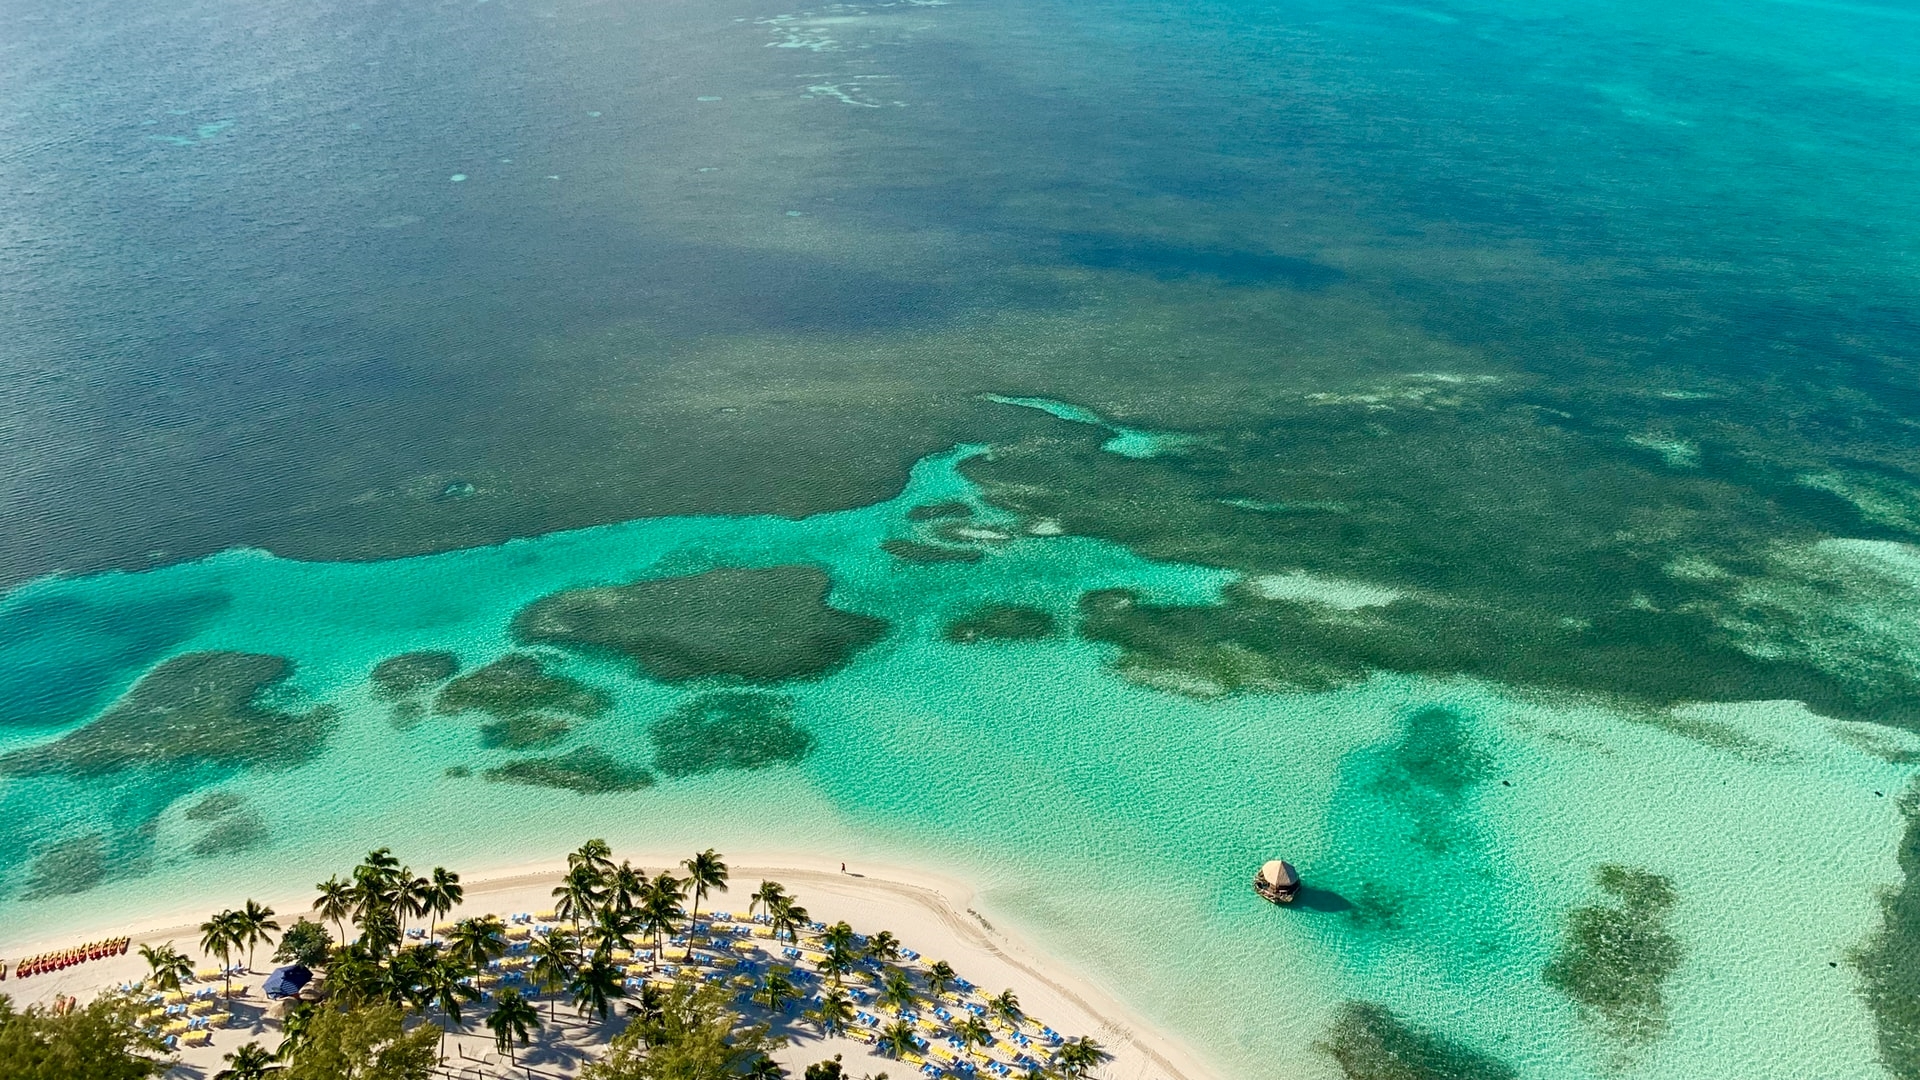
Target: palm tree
[(971, 1031), (1006, 1007), (898, 992), (704, 871), (838, 961), (374, 880), (776, 990), (838, 936), (765, 1068), (512, 1017), (355, 974), (660, 908), (624, 886), (477, 941), (595, 984), (1077, 1056), (256, 925), (652, 1006), (249, 1062), (940, 976), (335, 903), (766, 896), (884, 947), (833, 1013), (578, 894), (595, 855), (295, 1029), (787, 915), (410, 895), (445, 984), (168, 966), (442, 894), (380, 861), (612, 929), (409, 977), (897, 1037), (553, 963), (219, 936), (379, 930)]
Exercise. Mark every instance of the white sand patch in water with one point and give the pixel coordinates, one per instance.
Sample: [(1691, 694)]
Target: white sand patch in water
[(1338, 593), (1677, 453)]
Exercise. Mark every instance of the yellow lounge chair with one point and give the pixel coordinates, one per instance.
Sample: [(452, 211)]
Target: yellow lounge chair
[(546, 916), (197, 1038)]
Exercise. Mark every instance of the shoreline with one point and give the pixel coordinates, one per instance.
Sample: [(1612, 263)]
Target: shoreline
[(929, 912)]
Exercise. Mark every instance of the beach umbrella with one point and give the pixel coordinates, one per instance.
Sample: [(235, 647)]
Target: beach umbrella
[(285, 982)]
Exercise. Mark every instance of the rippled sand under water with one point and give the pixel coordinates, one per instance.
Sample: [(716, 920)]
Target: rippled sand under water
[(1448, 830)]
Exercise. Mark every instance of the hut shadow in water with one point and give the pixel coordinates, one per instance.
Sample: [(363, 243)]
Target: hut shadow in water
[(1322, 900)]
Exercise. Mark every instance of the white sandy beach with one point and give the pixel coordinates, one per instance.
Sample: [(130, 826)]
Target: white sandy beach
[(930, 914)]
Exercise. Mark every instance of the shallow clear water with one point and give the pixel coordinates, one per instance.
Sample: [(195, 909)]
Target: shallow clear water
[(1502, 416)]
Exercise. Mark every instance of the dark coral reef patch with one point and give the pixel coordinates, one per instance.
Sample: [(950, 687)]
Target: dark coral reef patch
[(1616, 957), (200, 708), (400, 677), (69, 867), (1521, 548), (518, 685), (1889, 962), (1370, 1042), (764, 625), (63, 657), (588, 770), (1428, 773), (728, 730), (239, 832)]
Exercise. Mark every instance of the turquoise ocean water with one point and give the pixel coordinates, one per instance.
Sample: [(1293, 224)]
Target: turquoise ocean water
[(1461, 447)]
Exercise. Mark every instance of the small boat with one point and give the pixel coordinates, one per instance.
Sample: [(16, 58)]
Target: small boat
[(1277, 882)]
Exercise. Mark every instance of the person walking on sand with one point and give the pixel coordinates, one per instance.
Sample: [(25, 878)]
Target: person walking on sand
[(843, 867)]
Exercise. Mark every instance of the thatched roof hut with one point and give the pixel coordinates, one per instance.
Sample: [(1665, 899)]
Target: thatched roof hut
[(1277, 881)]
